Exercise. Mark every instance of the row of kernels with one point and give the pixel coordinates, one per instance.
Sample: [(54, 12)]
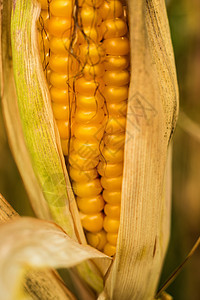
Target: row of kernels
[(88, 127), (63, 66), (116, 78)]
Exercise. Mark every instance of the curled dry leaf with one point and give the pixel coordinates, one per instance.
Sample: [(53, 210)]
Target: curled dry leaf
[(42, 284), (28, 242)]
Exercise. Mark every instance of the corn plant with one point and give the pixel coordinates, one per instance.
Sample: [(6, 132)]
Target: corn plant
[(90, 103)]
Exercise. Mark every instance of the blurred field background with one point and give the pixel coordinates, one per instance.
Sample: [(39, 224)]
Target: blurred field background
[(184, 18)]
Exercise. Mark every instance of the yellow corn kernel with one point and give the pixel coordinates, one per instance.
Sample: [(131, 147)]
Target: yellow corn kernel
[(88, 132), (92, 223), (92, 34), (88, 87), (63, 64), (112, 238), (112, 211), (117, 109), (82, 176), (61, 81), (114, 141), (90, 205), (85, 116), (97, 240), (115, 125), (117, 46), (92, 53), (60, 27), (60, 45), (87, 189), (113, 183), (116, 78), (61, 8), (118, 62), (112, 156), (112, 197), (85, 149), (82, 163), (63, 128), (110, 170), (60, 95), (90, 102), (92, 71), (60, 111), (115, 94), (111, 9), (113, 28), (111, 225), (88, 16), (109, 249)]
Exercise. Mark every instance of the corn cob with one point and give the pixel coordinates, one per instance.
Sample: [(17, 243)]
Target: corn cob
[(85, 53)]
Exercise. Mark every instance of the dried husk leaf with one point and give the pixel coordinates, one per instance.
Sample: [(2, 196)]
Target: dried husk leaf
[(28, 242), (151, 118), (32, 132), (42, 284)]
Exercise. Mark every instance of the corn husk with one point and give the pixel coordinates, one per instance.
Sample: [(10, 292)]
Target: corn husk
[(28, 242), (38, 283), (152, 114), (151, 119)]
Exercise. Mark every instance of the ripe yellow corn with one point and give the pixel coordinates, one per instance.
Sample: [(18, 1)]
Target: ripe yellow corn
[(85, 54)]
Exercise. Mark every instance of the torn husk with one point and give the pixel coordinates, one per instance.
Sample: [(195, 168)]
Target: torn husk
[(151, 118)]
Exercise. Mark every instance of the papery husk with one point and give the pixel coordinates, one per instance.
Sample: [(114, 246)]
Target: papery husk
[(42, 284), (146, 190), (32, 132), (28, 242)]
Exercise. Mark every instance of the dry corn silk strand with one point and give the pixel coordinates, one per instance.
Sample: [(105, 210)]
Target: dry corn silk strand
[(84, 47)]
